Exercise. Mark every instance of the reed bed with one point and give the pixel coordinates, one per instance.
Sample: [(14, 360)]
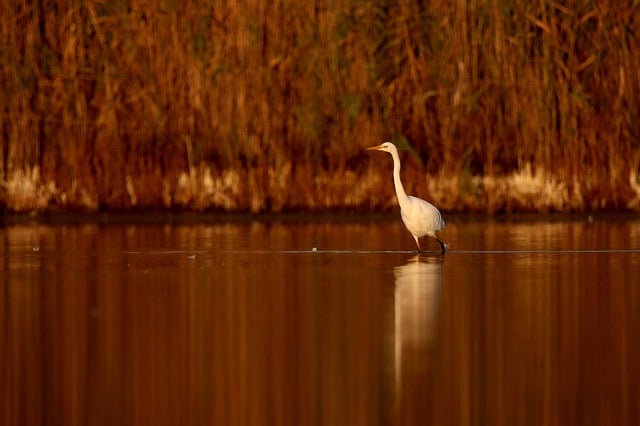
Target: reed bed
[(262, 105)]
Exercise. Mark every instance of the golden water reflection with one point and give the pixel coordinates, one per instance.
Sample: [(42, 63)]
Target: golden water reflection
[(418, 288), (241, 324)]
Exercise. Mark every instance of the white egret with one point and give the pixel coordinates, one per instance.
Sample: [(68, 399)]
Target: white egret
[(419, 216)]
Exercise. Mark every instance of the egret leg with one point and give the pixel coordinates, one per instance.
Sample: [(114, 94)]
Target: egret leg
[(417, 243), (441, 243)]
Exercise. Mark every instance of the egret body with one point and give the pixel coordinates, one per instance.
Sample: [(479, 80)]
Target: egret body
[(421, 218)]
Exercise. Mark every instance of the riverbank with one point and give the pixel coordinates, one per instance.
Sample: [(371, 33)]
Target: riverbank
[(267, 106)]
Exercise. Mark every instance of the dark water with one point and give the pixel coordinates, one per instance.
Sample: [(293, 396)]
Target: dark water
[(242, 323)]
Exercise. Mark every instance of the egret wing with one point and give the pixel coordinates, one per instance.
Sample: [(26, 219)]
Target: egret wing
[(421, 217)]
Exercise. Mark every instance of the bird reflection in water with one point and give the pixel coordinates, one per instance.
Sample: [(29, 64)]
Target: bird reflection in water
[(417, 310)]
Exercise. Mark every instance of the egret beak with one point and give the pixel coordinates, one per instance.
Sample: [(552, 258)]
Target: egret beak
[(374, 148)]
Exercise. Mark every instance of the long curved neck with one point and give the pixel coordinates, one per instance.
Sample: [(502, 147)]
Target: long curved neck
[(400, 193)]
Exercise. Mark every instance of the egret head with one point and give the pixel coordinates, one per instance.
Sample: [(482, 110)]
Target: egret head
[(387, 147)]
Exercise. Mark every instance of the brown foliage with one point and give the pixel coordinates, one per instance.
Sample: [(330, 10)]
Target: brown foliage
[(266, 105)]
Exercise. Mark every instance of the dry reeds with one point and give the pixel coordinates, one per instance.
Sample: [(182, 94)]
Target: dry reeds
[(266, 105)]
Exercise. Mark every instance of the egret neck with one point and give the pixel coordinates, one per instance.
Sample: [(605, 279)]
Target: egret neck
[(403, 199)]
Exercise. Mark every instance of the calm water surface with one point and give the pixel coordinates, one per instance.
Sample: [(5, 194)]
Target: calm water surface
[(320, 321)]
